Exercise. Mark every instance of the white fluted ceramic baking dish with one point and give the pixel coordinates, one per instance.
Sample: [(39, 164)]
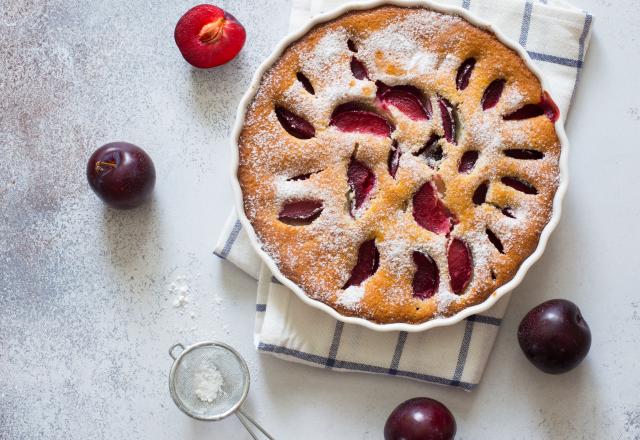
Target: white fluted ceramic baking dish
[(437, 322)]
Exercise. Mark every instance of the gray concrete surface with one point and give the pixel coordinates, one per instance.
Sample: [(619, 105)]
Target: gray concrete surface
[(86, 315)]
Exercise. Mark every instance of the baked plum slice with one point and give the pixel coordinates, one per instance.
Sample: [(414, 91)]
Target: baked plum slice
[(492, 94), (300, 212), (460, 265), (353, 118), (366, 265), (427, 277), (295, 125), (407, 99), (546, 107), (361, 182), (430, 212)]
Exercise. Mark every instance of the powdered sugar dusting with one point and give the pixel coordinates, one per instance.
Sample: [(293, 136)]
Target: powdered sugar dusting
[(422, 63), (449, 65), (330, 61), (292, 190), (444, 298), (485, 128), (394, 253), (512, 97), (351, 297), (401, 44), (331, 47)]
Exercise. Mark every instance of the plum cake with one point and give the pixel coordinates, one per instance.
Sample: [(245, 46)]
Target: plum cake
[(399, 164)]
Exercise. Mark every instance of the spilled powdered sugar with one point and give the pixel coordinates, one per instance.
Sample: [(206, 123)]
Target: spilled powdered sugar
[(180, 288)]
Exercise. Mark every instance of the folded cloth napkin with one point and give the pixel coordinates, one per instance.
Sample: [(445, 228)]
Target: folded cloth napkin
[(556, 36)]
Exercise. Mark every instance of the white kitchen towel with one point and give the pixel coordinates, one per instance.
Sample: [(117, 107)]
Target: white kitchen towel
[(556, 36)]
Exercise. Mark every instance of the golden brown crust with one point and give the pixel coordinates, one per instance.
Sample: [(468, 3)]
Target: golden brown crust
[(408, 46)]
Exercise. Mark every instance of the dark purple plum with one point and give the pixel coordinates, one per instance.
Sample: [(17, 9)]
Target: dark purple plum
[(420, 418), (121, 174), (554, 336)]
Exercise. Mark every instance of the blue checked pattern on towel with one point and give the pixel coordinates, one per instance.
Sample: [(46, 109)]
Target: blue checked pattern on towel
[(556, 36)]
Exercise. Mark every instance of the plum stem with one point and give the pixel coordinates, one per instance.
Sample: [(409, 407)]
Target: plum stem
[(210, 32), (100, 164)]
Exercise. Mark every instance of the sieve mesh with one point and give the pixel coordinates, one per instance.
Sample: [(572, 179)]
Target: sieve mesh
[(191, 369)]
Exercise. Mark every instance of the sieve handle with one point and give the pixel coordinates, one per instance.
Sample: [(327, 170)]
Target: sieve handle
[(173, 349), (248, 421)]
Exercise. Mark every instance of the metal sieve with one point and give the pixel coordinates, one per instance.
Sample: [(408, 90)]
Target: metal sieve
[(229, 368)]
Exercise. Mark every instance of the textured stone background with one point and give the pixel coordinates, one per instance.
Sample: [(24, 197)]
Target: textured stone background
[(86, 316)]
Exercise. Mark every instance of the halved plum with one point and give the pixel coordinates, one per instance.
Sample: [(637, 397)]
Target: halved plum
[(208, 36)]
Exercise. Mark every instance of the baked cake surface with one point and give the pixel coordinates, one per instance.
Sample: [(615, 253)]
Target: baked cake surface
[(399, 164)]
